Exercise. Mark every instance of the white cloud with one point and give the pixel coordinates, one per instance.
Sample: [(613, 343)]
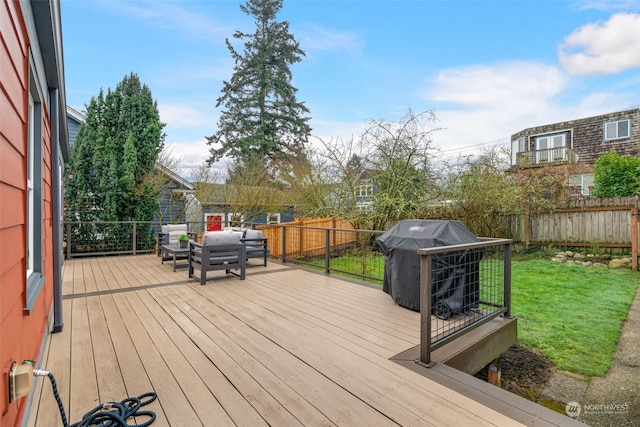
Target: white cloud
[(328, 130), (482, 104), (608, 5), (603, 48), (316, 37), (180, 115), (174, 17), (496, 85), (485, 104), (517, 84), (190, 152)]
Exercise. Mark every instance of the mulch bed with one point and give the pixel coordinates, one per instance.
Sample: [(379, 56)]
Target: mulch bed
[(524, 372)]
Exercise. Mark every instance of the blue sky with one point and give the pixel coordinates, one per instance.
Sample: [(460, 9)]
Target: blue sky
[(486, 68)]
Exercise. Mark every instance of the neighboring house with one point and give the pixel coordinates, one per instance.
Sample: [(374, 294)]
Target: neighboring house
[(177, 198), (224, 205), (577, 142), (34, 147), (74, 120), (355, 193), (365, 190)]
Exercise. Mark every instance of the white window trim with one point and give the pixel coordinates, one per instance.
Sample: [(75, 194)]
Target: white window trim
[(584, 181), (616, 137), (277, 218), (553, 152), (517, 146), (30, 189), (34, 204), (230, 218)]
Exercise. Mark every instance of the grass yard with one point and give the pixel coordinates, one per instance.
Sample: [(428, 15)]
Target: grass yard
[(371, 264), (571, 313)]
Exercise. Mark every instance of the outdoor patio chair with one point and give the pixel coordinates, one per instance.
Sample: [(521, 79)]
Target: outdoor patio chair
[(169, 236), (218, 251), (256, 245)]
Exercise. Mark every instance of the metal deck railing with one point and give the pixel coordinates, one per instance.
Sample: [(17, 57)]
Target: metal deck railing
[(469, 284), (462, 287)]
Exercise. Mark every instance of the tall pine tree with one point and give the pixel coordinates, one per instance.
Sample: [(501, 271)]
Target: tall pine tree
[(260, 114), (113, 154)]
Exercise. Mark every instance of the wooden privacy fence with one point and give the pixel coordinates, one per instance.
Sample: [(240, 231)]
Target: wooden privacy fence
[(307, 237), (598, 223)]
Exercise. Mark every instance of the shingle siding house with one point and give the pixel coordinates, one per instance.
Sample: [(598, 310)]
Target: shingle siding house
[(577, 142), (33, 147)]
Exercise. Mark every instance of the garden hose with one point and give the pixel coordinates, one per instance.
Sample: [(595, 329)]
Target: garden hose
[(109, 414)]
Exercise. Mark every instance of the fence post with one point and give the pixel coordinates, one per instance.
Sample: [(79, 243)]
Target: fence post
[(507, 279), (68, 240), (284, 244), (634, 239), (527, 227), (327, 246), (133, 243), (425, 310)]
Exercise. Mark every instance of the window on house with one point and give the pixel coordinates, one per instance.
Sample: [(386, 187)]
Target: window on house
[(30, 189), (517, 146), (236, 220), (618, 129), (551, 148), (34, 218), (273, 218), (580, 185), (365, 189)]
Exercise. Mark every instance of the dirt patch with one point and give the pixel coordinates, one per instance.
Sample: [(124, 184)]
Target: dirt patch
[(524, 372)]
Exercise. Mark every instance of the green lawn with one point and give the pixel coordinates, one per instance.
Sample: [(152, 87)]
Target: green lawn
[(571, 313)]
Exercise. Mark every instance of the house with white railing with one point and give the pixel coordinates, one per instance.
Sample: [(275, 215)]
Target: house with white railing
[(576, 144)]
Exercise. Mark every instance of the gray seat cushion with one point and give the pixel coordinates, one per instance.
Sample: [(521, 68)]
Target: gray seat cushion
[(174, 231), (212, 238)]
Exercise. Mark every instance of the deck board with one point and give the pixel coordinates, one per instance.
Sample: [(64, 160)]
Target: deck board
[(369, 377), (286, 346)]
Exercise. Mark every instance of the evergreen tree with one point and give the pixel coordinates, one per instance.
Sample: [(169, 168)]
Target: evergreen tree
[(113, 154), (260, 114)]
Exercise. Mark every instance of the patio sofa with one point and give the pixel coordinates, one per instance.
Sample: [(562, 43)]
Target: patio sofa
[(256, 245), (218, 251)]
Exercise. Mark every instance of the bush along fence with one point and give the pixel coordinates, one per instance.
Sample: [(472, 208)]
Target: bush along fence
[(609, 224)]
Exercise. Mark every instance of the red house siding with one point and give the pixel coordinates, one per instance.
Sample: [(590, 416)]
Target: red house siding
[(21, 333)]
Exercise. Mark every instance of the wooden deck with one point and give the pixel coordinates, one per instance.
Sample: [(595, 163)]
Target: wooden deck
[(284, 347)]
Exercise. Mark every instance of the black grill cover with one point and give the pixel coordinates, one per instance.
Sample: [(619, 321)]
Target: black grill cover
[(451, 275)]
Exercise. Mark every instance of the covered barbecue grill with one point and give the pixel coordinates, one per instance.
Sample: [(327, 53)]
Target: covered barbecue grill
[(455, 275)]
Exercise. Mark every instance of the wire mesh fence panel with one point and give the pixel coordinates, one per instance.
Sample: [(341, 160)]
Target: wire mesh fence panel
[(350, 253), (109, 238), (468, 287)]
